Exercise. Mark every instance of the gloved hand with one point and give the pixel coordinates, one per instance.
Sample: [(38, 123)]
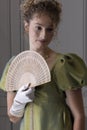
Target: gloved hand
[(23, 96)]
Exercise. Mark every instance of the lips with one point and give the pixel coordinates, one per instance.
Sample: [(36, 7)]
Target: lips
[(42, 41)]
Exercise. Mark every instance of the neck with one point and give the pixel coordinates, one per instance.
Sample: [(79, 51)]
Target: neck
[(45, 52)]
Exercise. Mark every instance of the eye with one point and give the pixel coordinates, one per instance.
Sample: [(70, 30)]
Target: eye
[(50, 30), (38, 28)]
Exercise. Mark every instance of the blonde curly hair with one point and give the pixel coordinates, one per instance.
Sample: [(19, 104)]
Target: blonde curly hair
[(52, 8)]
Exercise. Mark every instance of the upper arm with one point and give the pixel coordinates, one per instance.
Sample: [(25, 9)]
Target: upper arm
[(75, 102)]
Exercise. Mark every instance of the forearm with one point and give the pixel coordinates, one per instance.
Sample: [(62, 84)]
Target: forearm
[(17, 104), (13, 119), (79, 123), (10, 98)]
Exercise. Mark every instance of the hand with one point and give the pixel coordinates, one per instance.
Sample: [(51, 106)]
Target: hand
[(23, 96)]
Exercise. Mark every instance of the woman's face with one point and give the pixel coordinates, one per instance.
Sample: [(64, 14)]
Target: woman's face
[(41, 31)]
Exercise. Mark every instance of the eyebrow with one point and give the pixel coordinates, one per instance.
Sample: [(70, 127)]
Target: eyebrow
[(42, 25)]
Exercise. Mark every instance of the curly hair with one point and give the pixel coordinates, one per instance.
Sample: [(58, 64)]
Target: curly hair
[(52, 8)]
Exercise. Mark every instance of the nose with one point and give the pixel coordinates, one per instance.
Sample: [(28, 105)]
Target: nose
[(43, 34)]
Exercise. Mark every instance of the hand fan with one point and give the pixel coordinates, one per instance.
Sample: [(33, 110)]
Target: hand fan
[(27, 67)]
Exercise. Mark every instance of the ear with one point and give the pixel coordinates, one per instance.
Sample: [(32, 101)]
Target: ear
[(26, 26)]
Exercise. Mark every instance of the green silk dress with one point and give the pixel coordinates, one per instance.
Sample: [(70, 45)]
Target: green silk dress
[(49, 110)]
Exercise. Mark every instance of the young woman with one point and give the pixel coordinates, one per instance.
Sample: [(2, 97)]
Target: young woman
[(57, 105)]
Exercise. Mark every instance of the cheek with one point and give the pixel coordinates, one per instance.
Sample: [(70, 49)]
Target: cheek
[(50, 37), (31, 34)]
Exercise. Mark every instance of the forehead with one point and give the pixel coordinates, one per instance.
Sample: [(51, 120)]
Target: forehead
[(42, 19)]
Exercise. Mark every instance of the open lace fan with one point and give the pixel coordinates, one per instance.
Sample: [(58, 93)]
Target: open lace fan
[(27, 67)]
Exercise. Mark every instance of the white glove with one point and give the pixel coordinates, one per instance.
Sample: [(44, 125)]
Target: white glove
[(23, 96)]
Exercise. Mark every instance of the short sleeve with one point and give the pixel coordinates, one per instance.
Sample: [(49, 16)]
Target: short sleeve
[(70, 72), (4, 74)]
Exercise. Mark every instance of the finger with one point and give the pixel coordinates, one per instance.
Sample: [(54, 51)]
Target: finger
[(29, 90), (26, 87), (29, 85)]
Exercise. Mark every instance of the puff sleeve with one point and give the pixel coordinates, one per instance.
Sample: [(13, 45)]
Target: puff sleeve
[(4, 74), (70, 72)]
